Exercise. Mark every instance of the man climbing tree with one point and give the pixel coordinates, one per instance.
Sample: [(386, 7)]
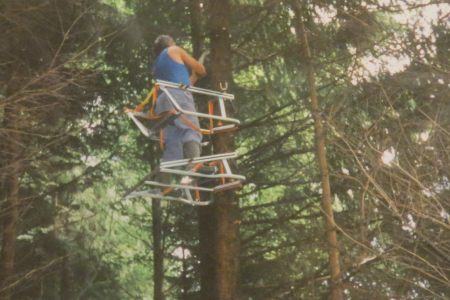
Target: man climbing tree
[(181, 140)]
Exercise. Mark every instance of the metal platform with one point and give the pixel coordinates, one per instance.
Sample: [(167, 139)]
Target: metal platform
[(223, 180), (150, 127)]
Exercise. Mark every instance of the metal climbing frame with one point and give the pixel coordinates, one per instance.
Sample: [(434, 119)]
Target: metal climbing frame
[(148, 132), (220, 97), (149, 124), (222, 180)]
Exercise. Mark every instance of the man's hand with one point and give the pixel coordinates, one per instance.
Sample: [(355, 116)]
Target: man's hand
[(193, 78), (140, 107)]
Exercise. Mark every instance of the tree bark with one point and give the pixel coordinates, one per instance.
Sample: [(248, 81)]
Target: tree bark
[(196, 27), (218, 223), (220, 280), (333, 250), (206, 220)]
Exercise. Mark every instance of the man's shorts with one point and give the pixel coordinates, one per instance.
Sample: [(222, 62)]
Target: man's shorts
[(178, 133)]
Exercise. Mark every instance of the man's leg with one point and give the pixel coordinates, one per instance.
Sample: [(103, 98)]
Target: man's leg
[(173, 150), (192, 149)]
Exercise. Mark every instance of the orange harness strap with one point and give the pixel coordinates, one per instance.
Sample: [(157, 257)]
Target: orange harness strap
[(211, 112), (222, 171), (161, 139), (183, 118), (151, 113), (197, 195), (189, 123)]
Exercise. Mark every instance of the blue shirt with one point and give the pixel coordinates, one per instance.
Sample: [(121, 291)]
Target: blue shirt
[(165, 68)]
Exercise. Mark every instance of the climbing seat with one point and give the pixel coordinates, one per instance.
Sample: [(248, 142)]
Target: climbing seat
[(151, 127), (149, 123)]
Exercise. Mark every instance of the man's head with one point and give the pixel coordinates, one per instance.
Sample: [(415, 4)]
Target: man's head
[(161, 43)]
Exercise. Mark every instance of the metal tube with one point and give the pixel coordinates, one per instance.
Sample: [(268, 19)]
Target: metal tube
[(195, 174), (138, 123), (227, 186), (163, 197), (197, 114), (202, 115), (201, 159), (223, 111), (185, 162), (196, 90), (226, 166), (190, 187), (225, 127), (188, 194)]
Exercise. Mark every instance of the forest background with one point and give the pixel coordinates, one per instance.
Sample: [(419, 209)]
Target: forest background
[(69, 156)]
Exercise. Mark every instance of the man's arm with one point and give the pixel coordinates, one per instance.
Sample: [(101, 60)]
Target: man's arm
[(181, 56), (195, 66), (193, 78)]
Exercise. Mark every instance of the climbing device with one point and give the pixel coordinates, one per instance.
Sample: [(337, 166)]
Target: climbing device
[(191, 177)]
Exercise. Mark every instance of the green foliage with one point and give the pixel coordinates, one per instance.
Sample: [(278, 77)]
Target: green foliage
[(80, 64)]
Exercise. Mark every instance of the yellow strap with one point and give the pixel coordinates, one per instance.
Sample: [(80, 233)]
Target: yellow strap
[(140, 107), (149, 96), (154, 94)]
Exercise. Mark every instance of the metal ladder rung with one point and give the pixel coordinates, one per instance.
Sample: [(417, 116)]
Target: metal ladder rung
[(189, 173), (225, 128), (196, 90), (201, 159), (228, 186), (197, 114), (149, 194), (180, 186)]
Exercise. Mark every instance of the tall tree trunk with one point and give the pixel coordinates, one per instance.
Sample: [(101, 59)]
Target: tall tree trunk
[(333, 250), (218, 223), (10, 183), (223, 283)]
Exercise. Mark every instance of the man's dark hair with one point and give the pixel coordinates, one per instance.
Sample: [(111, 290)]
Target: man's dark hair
[(161, 43)]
